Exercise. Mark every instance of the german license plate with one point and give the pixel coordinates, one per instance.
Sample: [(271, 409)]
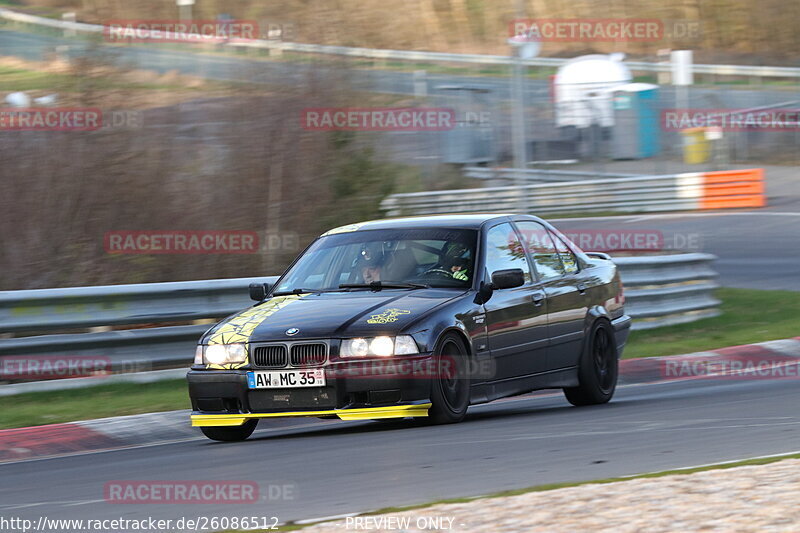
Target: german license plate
[(286, 379)]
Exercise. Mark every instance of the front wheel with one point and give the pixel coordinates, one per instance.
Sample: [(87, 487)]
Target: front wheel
[(599, 366), (450, 383), (230, 434)]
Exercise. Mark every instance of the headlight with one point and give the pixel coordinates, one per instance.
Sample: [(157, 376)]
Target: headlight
[(378, 346), (220, 354), (382, 346), (355, 347)]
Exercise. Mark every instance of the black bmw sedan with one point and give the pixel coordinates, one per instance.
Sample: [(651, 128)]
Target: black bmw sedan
[(415, 317)]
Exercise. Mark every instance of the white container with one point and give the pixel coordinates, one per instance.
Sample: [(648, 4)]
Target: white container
[(583, 88)]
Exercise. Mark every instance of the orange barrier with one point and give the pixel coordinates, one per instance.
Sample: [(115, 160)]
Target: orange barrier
[(733, 188)]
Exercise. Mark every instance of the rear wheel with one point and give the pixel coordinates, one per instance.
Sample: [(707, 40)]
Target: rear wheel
[(598, 370), (450, 384), (231, 433)]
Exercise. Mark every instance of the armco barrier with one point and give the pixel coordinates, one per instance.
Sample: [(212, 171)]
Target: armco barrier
[(669, 289), (407, 55), (733, 188), (678, 192), (55, 310), (660, 290), (52, 309), (534, 175)]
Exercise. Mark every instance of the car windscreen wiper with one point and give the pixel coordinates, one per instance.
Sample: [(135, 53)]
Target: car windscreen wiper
[(378, 285), (297, 291)]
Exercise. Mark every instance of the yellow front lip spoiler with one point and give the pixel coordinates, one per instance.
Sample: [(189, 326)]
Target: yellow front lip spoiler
[(362, 413)]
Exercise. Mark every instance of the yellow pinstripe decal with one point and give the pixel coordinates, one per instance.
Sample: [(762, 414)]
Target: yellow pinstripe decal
[(239, 328), (364, 413)]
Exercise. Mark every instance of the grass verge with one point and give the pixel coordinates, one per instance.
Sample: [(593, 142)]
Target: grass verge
[(17, 79), (13, 78), (748, 316), (36, 408)]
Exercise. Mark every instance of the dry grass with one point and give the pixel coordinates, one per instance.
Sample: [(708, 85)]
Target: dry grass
[(231, 158), (756, 29)]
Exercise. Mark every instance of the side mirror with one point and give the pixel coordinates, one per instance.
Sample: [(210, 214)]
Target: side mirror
[(484, 293), (258, 291), (501, 279), (508, 279)]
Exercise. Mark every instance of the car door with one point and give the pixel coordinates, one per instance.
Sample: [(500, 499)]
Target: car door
[(516, 318), (559, 276)]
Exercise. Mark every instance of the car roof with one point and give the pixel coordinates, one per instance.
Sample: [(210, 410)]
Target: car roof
[(466, 221)]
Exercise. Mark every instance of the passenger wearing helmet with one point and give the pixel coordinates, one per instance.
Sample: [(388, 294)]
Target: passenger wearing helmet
[(371, 262)]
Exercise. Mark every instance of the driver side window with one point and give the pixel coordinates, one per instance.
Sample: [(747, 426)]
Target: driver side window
[(504, 250)]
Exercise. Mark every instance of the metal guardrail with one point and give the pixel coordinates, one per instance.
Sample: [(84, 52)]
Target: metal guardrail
[(132, 350), (50, 23), (537, 174), (406, 55), (667, 290), (49, 309), (54, 310), (678, 192), (660, 290), (614, 194)]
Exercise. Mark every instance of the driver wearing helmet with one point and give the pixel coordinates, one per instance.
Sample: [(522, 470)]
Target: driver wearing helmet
[(371, 262), (456, 260)]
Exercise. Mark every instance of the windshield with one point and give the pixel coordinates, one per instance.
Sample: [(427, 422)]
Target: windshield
[(434, 257)]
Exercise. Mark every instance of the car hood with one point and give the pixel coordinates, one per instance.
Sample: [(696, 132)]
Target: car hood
[(335, 314)]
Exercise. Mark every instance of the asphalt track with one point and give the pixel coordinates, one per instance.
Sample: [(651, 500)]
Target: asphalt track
[(755, 249), (343, 467)]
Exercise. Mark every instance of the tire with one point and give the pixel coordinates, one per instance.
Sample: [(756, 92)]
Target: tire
[(599, 368), (450, 385), (230, 434)]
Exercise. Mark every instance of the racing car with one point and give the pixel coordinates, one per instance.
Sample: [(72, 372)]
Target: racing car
[(415, 317)]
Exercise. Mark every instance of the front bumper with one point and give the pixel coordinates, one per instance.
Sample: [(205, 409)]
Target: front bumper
[(397, 390)]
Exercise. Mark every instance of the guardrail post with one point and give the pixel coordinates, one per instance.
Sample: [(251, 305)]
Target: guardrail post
[(69, 17), (420, 84)]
